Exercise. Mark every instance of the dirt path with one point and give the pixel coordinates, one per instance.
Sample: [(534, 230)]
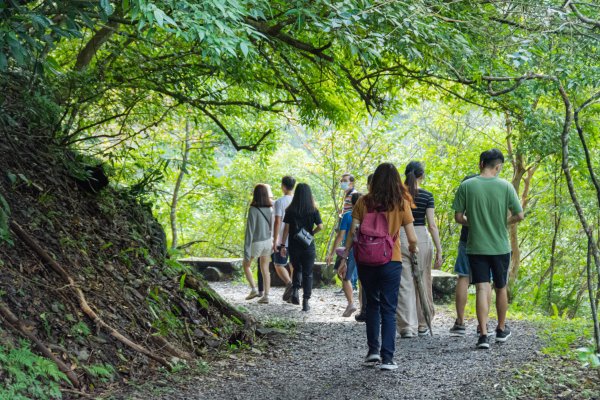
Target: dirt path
[(321, 359)]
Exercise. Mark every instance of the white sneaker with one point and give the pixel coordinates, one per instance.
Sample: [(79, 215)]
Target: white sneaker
[(264, 299), (371, 360), (388, 366)]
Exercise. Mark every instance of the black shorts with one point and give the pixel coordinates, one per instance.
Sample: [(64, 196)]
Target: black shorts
[(482, 265)]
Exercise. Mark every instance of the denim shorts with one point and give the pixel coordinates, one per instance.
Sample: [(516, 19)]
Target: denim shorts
[(350, 266), (278, 259), (461, 266)]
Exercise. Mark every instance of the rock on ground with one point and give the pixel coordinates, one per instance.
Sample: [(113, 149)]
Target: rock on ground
[(322, 359)]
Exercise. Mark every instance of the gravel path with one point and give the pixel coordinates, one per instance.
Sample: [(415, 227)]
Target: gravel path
[(321, 359)]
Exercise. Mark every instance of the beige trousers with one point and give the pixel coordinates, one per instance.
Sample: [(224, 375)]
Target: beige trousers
[(409, 315)]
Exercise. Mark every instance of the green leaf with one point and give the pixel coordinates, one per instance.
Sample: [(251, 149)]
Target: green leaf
[(244, 48), (182, 281)]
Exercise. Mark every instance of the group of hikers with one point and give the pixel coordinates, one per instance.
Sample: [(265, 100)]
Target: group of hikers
[(384, 235)]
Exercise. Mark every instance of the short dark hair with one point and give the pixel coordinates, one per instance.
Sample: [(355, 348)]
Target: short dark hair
[(350, 177), (491, 158), (355, 197), (288, 182)]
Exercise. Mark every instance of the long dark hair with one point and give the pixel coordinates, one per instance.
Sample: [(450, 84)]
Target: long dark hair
[(303, 202), (260, 196), (386, 191), (413, 171)]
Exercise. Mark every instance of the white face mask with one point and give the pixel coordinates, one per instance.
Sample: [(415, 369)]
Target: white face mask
[(344, 185)]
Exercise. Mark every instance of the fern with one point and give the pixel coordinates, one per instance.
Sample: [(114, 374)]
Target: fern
[(4, 218), (103, 372), (26, 375)]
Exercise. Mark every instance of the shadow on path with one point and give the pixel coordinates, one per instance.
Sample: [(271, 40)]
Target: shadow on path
[(322, 359)]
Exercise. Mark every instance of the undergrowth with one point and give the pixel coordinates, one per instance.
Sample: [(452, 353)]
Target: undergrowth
[(567, 366), (25, 375)]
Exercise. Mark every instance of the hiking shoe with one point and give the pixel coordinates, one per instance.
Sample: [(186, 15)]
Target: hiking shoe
[(388, 366), (361, 317), (340, 292), (305, 306), (349, 310), (502, 335), (407, 335), (423, 331), (287, 293), (458, 330), (372, 359), (252, 295), (264, 299), (483, 342)]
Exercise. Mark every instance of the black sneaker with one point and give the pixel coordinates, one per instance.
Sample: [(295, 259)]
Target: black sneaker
[(502, 335), (388, 365), (483, 342), (371, 360), (458, 330), (361, 317)]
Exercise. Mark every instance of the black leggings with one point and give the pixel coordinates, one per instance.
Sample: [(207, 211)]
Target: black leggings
[(303, 261)]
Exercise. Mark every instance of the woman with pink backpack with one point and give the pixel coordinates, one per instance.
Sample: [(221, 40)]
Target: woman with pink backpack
[(376, 221)]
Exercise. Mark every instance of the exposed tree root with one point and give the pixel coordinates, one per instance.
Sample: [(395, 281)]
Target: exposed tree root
[(81, 297), (215, 300), (164, 343), (18, 325)]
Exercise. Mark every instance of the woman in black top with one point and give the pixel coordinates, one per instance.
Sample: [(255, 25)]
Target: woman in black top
[(301, 214), (410, 319)]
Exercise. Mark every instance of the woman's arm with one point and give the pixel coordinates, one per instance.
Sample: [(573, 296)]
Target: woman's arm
[(250, 222), (318, 229), (435, 235), (411, 235)]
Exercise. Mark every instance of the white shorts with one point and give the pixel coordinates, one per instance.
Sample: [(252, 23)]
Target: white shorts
[(261, 249)]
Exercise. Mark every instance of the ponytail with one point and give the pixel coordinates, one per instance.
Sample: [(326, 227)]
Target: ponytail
[(411, 183), (413, 171)]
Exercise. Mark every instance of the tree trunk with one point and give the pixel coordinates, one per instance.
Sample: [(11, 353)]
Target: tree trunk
[(593, 248), (175, 198), (590, 288), (520, 173)]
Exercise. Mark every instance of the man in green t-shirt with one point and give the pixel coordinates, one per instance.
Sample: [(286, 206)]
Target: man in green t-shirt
[(487, 200)]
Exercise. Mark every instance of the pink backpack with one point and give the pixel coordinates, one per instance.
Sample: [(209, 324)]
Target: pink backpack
[(372, 243)]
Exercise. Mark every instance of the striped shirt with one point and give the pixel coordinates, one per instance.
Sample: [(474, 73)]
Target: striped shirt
[(423, 201)]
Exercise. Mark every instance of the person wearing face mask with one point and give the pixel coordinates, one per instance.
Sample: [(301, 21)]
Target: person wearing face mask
[(347, 186)]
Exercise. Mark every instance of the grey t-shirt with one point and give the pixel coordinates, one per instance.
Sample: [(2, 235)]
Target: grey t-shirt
[(279, 211)]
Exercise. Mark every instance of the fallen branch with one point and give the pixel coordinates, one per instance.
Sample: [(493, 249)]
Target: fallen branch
[(18, 325), (16, 228)]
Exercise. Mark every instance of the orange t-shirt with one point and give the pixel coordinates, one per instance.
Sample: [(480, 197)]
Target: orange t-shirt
[(396, 218)]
